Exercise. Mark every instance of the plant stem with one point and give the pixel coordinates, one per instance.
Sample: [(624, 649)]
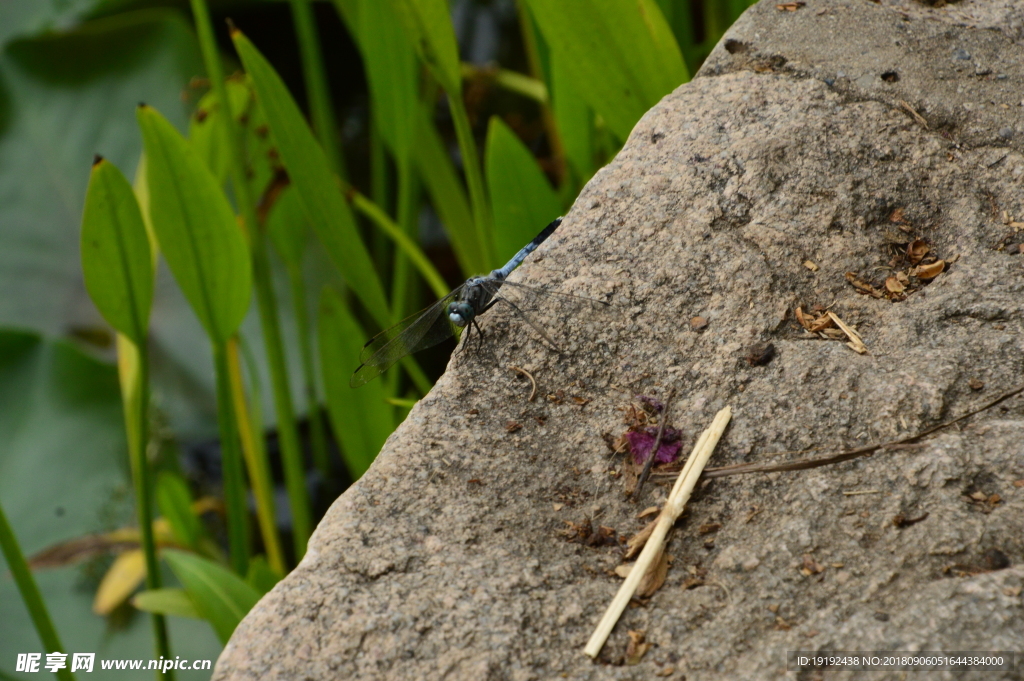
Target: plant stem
[(314, 413), (401, 278), (315, 77), (402, 241), (231, 464), (288, 436), (135, 398), (419, 260), (529, 34), (406, 213), (255, 452), (379, 193), (30, 593), (474, 178), (291, 452)]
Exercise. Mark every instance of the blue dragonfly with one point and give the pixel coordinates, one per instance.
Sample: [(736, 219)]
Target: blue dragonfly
[(449, 316)]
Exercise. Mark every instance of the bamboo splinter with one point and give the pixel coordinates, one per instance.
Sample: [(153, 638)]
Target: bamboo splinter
[(673, 508)]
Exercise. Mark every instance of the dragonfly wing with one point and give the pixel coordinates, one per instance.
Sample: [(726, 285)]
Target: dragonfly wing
[(530, 302), (536, 291), (418, 332)]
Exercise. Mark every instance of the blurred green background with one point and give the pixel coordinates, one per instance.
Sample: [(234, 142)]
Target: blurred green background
[(467, 153)]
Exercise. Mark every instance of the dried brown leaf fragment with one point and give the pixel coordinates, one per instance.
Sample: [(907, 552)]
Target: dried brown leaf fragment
[(929, 271), (863, 286), (636, 543), (655, 576), (811, 566), (901, 520), (637, 647), (916, 250)]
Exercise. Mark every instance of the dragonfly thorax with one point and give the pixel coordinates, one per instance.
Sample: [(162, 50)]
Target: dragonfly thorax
[(476, 296)]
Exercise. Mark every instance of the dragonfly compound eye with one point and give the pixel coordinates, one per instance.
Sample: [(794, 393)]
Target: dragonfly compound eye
[(460, 313)]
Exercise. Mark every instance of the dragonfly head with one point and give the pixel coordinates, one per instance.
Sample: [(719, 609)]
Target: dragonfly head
[(460, 313)]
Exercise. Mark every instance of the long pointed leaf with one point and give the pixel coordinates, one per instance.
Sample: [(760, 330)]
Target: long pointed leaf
[(621, 54), (124, 576), (325, 207), (116, 257), (221, 597), (448, 197), (391, 72), (520, 194), (361, 419), (196, 228), (429, 28), (166, 602), (574, 121)]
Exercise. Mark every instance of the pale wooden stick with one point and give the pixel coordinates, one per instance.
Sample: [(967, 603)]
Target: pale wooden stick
[(856, 342), (673, 508)]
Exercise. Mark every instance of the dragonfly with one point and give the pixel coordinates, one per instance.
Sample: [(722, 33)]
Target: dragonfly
[(448, 316)]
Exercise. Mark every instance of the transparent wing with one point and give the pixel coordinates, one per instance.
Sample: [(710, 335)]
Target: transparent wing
[(535, 306), (422, 330), (537, 293)]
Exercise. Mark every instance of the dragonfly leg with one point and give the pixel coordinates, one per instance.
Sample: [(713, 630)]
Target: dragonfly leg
[(480, 334), (463, 341), (526, 319)]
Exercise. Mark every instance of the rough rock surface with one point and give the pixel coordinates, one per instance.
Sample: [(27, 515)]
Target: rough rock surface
[(449, 558)]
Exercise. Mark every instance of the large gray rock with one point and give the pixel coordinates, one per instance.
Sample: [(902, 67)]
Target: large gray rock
[(449, 560)]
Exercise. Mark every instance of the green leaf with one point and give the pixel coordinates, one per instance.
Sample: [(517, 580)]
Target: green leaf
[(63, 474), (391, 72), (261, 576), (522, 198), (116, 257), (318, 190), (196, 228), (174, 602), (620, 54), (574, 122), (286, 225), (429, 28), (221, 597), (349, 11), (361, 419), (205, 132), (175, 502)]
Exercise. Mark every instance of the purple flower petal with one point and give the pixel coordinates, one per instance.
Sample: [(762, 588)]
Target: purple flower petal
[(641, 442)]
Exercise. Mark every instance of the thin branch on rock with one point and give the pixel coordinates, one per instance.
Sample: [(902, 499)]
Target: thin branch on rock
[(657, 444), (868, 450)]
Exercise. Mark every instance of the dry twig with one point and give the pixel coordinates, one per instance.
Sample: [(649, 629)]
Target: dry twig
[(856, 342), (917, 117), (815, 462), (657, 444), (654, 547), (524, 372)]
